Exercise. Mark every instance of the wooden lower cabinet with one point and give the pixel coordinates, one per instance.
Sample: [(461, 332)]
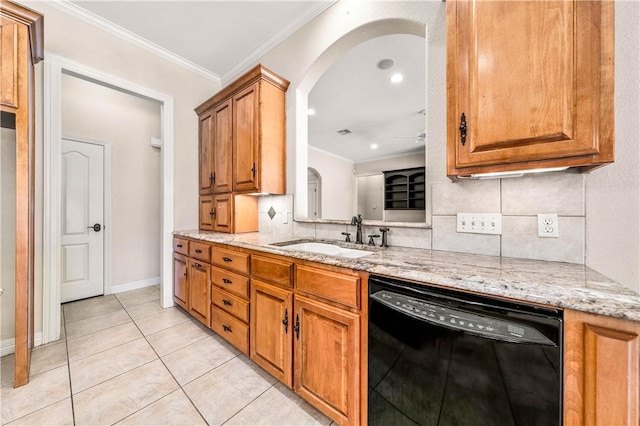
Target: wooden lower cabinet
[(601, 370), (180, 281), (199, 291), (327, 359), (272, 315), (310, 345)]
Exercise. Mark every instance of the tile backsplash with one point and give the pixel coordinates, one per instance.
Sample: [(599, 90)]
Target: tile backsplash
[(519, 200)]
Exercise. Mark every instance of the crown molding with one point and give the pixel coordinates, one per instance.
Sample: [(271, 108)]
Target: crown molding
[(101, 23), (276, 38)]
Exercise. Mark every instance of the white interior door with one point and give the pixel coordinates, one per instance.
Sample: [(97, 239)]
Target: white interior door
[(312, 196), (82, 236)]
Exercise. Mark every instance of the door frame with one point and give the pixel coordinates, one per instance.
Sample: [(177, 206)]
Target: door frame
[(54, 67), (106, 199)]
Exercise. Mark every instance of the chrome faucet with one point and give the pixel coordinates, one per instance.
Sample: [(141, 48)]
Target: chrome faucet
[(357, 221)]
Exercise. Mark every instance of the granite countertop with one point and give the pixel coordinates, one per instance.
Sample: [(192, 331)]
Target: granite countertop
[(563, 285)]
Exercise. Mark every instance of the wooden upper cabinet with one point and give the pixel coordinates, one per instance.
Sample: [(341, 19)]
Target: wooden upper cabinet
[(246, 139), (10, 47), (534, 81), (222, 151), (249, 132), (205, 151)]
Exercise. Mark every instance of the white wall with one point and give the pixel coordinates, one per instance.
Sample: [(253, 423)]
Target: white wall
[(337, 184), (7, 232), (92, 112), (613, 191)]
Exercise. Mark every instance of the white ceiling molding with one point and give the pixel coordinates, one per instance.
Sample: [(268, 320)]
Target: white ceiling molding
[(252, 58), (93, 19)]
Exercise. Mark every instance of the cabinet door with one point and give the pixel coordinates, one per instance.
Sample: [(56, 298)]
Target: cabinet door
[(601, 370), (206, 153), (199, 291), (534, 81), (246, 139), (326, 359), (271, 329), (222, 213), (180, 281), (222, 161), (206, 213)]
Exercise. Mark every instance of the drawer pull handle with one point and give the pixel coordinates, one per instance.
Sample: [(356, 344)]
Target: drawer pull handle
[(463, 129), (226, 259), (226, 302), (198, 251), (227, 281), (285, 321), (227, 329), (197, 265), (179, 246)]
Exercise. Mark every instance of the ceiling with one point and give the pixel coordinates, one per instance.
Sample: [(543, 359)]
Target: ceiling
[(222, 38)]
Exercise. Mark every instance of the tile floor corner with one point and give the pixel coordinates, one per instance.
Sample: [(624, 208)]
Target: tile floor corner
[(123, 359)]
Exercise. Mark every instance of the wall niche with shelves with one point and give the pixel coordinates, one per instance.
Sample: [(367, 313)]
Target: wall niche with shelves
[(404, 189)]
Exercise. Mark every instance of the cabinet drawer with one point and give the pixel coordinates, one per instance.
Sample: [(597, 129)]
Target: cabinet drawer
[(231, 329), (231, 282), (232, 260), (234, 305), (201, 251), (329, 285), (275, 270), (180, 245)]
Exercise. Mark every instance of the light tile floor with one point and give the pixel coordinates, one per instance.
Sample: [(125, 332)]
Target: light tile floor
[(122, 359)]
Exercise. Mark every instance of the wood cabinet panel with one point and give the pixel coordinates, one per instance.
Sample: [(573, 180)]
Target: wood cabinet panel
[(278, 271), (9, 65), (222, 148), (199, 291), (601, 370), (245, 139), (181, 245), (231, 329), (534, 81), (332, 286), (206, 213), (200, 251), (231, 259), (234, 305), (230, 281), (272, 322), (327, 359), (206, 153), (180, 281)]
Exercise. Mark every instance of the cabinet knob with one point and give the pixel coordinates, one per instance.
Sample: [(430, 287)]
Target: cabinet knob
[(198, 251), (227, 259), (226, 281), (463, 129), (226, 302), (227, 329)]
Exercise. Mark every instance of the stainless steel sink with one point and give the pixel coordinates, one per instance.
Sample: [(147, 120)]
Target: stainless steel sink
[(326, 249)]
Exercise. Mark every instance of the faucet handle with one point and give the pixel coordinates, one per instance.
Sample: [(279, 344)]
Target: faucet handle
[(384, 229), (347, 239), (371, 237)]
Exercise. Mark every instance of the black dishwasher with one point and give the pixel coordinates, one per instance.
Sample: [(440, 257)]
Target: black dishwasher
[(441, 357)]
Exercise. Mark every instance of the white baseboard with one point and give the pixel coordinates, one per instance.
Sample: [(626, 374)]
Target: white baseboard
[(134, 285), (8, 346)]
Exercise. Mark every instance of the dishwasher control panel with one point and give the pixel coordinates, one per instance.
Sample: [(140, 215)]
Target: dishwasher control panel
[(462, 320)]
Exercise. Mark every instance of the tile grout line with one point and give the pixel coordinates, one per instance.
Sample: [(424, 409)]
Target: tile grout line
[(66, 343)]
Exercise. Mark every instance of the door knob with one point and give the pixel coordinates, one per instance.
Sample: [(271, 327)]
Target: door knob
[(95, 227)]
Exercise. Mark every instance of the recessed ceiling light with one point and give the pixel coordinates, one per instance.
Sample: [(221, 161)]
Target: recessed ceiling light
[(396, 78), (385, 64), (311, 111), (374, 146)]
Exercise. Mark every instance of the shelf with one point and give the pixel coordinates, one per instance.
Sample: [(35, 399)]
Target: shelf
[(405, 189)]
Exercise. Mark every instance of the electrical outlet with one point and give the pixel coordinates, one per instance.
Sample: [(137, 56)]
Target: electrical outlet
[(479, 223), (548, 225)]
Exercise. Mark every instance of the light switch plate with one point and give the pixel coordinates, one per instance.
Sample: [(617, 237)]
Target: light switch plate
[(479, 223)]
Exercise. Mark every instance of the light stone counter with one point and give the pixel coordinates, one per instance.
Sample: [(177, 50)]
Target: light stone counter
[(563, 285)]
